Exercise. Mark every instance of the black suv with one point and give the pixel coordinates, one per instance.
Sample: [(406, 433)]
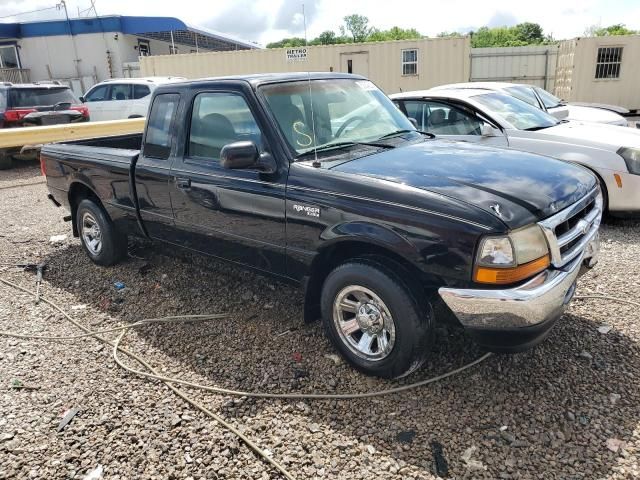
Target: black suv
[(35, 104)]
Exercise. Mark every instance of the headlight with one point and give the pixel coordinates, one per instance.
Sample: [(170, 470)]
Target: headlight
[(631, 158), (513, 257)]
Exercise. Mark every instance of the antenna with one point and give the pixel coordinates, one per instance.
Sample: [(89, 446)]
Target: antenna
[(316, 163)]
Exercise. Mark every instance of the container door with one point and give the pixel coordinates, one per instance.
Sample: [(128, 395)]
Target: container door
[(357, 63)]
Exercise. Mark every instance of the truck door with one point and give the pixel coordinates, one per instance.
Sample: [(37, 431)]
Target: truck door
[(153, 168), (237, 215)]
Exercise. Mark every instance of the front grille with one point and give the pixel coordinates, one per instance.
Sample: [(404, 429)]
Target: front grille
[(569, 231)]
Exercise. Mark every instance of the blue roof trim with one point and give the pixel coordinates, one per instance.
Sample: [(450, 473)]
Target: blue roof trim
[(77, 26)]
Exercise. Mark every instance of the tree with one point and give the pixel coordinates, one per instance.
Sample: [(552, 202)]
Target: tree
[(287, 43), (617, 29), (449, 34), (517, 36), (530, 33), (394, 33), (358, 26), (328, 37)]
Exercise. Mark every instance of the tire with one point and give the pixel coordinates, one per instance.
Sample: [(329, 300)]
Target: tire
[(6, 161), (100, 240), (378, 304)]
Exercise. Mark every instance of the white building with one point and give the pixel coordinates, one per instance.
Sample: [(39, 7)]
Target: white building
[(84, 51)]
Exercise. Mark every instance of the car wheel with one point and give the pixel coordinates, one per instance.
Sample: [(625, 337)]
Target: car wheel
[(374, 321), (6, 161), (100, 239)]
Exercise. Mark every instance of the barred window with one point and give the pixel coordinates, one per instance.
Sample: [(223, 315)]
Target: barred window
[(410, 62), (608, 62)]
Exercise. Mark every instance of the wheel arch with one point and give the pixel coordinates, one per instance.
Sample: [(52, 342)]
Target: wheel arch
[(339, 251), (79, 191)]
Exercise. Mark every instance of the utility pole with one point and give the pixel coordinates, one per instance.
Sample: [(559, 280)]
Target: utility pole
[(76, 61)]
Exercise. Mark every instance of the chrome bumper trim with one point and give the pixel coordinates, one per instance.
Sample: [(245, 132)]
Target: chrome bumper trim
[(540, 299)]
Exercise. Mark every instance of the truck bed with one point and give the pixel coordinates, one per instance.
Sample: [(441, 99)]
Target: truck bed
[(102, 164)]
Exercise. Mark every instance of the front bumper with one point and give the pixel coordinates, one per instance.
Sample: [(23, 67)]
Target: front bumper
[(517, 318)]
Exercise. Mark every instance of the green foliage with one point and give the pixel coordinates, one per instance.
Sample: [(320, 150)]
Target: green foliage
[(617, 29), (449, 34), (394, 33), (357, 26), (517, 36), (287, 43)]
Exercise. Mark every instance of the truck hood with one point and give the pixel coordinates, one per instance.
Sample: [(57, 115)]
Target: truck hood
[(607, 137), (518, 188)]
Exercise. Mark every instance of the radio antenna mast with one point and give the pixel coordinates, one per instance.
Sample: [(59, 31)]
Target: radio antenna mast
[(313, 120)]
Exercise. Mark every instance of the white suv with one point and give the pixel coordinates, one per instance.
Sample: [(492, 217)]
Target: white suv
[(122, 97)]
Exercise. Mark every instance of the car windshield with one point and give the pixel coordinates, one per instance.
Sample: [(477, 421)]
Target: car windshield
[(321, 113), (550, 101), (518, 113), (40, 97)]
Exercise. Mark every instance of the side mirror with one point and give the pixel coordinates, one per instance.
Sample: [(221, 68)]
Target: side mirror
[(413, 121), (243, 155), (82, 99), (489, 131)]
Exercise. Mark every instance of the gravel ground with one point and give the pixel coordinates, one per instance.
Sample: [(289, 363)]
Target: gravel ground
[(569, 409)]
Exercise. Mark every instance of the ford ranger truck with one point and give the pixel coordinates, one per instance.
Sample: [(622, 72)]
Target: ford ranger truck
[(319, 180)]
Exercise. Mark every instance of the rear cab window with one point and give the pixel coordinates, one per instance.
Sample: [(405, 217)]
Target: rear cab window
[(158, 138), (36, 97)]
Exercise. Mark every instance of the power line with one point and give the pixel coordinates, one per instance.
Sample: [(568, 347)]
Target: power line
[(31, 11)]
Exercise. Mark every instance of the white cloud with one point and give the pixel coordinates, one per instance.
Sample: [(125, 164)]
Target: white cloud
[(268, 20)]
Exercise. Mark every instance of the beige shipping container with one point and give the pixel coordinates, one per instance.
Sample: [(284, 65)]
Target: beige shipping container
[(534, 65), (600, 70), (394, 66)]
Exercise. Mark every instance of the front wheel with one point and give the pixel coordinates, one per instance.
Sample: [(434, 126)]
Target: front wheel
[(372, 318), (100, 239)]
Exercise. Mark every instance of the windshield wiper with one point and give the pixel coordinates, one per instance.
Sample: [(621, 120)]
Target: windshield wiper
[(340, 145), (400, 132), (542, 127)]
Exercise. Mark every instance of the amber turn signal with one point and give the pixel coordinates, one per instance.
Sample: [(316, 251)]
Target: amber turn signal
[(502, 276)]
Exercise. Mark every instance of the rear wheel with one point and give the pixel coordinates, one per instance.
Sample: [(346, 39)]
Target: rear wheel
[(100, 239), (373, 319)]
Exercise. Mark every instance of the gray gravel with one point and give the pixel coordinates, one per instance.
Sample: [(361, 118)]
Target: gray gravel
[(568, 409)]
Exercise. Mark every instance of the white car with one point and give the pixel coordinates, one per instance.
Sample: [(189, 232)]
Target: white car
[(543, 100), (119, 98), (493, 118)]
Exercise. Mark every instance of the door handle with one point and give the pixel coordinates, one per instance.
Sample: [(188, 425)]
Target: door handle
[(183, 183)]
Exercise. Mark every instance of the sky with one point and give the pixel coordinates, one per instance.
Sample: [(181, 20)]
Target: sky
[(263, 21)]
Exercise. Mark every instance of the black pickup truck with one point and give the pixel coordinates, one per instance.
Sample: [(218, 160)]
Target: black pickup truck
[(320, 180)]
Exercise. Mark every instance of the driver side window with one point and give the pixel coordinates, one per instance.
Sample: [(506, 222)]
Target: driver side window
[(218, 119), (443, 119)]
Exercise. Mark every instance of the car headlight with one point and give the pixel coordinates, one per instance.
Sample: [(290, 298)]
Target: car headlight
[(513, 257), (631, 158)]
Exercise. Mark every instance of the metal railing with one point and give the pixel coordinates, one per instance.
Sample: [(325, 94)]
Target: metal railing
[(15, 75)]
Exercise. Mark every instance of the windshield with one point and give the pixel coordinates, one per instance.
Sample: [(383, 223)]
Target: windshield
[(518, 113), (40, 97), (344, 111), (550, 101), (525, 94)]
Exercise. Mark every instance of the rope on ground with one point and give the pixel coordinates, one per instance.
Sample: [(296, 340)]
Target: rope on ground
[(151, 373)]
